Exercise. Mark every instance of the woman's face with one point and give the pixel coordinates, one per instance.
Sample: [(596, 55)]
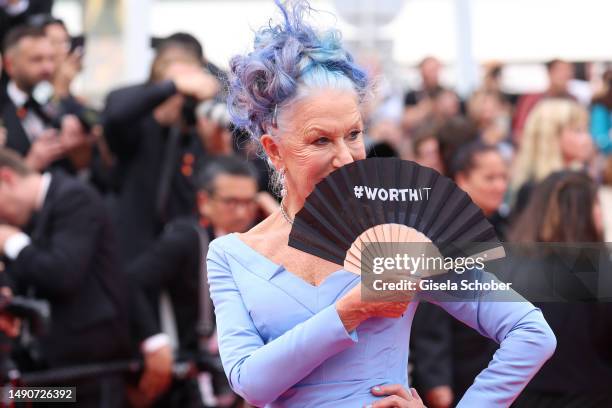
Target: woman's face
[(428, 154), (60, 40), (317, 134), (576, 143), (487, 182)]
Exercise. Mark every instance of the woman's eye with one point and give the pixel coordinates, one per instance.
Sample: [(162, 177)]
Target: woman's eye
[(354, 135), (321, 141)]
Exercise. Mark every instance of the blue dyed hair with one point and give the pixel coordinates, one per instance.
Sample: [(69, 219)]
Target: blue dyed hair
[(287, 59)]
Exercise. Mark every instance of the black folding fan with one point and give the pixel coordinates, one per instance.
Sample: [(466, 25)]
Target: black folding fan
[(388, 200)]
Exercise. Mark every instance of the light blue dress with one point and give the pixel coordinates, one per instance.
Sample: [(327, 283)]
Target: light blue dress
[(283, 344)]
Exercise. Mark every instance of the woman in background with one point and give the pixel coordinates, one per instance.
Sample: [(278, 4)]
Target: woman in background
[(601, 116), (556, 137), (447, 354), (564, 209)]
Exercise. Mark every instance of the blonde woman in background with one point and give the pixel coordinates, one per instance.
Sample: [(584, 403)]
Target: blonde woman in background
[(605, 198), (555, 137)]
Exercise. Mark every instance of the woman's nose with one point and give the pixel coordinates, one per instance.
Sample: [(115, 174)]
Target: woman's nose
[(343, 155)]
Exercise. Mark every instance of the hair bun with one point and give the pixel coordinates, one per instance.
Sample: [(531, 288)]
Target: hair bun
[(285, 57)]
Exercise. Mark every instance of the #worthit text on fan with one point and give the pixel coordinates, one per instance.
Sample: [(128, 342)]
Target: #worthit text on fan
[(392, 194)]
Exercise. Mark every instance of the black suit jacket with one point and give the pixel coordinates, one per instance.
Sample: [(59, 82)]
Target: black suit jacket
[(172, 264), (17, 139), (72, 264), (140, 145)]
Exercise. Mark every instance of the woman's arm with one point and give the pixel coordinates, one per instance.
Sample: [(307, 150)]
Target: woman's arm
[(260, 372), (526, 343)]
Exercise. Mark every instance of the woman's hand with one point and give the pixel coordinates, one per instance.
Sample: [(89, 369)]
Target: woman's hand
[(353, 310), (397, 397)]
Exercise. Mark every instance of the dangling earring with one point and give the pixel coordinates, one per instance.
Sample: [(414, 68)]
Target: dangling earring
[(281, 180)]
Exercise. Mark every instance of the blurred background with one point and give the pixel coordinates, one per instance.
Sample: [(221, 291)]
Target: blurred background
[(463, 34)]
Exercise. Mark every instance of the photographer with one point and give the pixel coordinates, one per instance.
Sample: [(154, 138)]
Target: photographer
[(33, 129), (151, 130), (228, 202), (68, 60), (58, 245)]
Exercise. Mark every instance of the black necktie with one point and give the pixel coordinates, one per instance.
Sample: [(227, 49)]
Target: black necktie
[(33, 106)]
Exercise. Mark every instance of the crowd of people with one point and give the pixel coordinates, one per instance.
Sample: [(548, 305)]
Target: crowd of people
[(103, 213)]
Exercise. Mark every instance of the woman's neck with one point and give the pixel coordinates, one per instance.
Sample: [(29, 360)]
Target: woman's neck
[(292, 205)]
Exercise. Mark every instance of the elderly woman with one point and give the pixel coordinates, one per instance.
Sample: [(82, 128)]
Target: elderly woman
[(293, 329)]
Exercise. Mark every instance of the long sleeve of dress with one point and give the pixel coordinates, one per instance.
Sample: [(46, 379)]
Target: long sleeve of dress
[(260, 372), (526, 343)]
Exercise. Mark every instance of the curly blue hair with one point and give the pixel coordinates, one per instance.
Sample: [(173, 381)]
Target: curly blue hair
[(288, 59)]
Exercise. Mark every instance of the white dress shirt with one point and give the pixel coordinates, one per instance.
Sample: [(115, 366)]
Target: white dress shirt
[(32, 123), (17, 242)]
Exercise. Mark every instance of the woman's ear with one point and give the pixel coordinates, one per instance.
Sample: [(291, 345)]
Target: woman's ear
[(203, 201), (271, 147)]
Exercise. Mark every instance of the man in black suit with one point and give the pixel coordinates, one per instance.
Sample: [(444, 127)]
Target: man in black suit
[(33, 130), (58, 244), (227, 202), (148, 129)]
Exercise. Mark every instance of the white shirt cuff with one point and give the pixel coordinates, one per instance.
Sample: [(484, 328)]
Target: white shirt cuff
[(15, 244), (155, 342)]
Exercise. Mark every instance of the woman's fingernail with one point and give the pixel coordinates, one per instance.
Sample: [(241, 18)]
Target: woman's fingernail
[(377, 389)]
